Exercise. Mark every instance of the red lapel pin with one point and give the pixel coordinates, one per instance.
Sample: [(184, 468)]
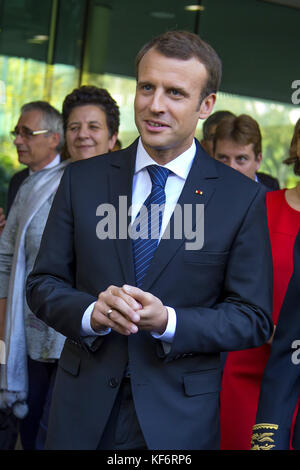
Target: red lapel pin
[(198, 191)]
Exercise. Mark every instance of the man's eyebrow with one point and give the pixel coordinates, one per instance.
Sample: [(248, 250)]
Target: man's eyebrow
[(219, 154), (144, 82)]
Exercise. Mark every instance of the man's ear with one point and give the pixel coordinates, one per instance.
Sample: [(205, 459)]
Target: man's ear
[(258, 160), (55, 139), (207, 106)]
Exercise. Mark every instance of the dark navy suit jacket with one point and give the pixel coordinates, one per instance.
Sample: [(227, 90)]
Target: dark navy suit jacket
[(281, 381), (269, 181), (222, 294)]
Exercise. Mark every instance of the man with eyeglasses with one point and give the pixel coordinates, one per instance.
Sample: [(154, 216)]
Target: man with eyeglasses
[(38, 140), (38, 137)]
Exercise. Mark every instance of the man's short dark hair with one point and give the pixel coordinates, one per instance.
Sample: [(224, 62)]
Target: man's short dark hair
[(213, 120), (92, 95), (243, 130), (185, 45)]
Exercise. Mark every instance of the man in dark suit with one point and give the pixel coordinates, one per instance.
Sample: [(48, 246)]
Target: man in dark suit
[(238, 144), (280, 386), (141, 364)]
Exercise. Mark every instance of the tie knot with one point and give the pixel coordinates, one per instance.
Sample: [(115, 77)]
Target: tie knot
[(158, 175)]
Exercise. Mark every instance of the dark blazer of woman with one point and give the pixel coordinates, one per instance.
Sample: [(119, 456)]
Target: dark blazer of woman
[(281, 381)]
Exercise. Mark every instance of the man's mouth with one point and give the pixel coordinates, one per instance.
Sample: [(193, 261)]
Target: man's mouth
[(156, 124)]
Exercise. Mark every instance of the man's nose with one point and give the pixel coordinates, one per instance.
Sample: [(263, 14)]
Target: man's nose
[(157, 103), (233, 165), (18, 139)]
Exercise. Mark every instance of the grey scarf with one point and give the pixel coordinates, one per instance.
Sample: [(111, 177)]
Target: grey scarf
[(13, 375)]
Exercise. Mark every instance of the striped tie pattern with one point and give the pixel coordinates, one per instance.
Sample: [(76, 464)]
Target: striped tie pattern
[(148, 222)]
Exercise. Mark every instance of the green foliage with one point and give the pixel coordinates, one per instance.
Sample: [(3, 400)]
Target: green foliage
[(276, 143)]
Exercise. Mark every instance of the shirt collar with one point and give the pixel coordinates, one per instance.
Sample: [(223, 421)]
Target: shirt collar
[(181, 165), (53, 163)]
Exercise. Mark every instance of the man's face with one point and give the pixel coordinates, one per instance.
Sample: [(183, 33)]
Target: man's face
[(87, 133), (167, 104), (35, 151), (208, 144), (240, 157)]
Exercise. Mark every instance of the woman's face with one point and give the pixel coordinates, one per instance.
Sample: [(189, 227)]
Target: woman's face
[(87, 134)]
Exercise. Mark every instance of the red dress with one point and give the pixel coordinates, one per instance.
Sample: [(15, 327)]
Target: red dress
[(244, 369)]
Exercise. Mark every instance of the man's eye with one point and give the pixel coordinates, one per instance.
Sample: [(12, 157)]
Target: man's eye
[(147, 87), (175, 92)]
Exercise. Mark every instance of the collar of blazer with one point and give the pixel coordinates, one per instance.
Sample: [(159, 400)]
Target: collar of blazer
[(198, 189)]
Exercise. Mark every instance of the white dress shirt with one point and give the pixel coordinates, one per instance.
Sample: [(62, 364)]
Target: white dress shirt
[(53, 163), (141, 189)]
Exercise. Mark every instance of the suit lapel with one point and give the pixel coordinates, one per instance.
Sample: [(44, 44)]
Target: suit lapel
[(198, 189), (120, 186)]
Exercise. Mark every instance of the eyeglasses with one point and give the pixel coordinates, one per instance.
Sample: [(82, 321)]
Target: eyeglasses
[(27, 133)]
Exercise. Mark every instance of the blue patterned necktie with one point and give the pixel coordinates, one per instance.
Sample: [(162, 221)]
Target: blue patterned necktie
[(148, 223)]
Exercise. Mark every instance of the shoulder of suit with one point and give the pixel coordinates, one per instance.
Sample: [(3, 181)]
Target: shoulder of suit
[(20, 174), (104, 160)]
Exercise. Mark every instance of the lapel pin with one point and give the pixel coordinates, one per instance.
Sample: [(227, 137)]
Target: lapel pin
[(198, 191)]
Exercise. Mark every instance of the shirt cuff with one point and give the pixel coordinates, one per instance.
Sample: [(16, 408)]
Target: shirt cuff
[(169, 332), (86, 329)]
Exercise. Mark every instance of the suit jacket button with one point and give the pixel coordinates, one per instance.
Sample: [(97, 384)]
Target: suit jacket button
[(113, 382)]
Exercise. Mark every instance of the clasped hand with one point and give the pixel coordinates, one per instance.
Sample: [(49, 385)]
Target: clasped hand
[(132, 309)]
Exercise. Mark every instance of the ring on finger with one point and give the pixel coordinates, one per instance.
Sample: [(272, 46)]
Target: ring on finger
[(108, 313)]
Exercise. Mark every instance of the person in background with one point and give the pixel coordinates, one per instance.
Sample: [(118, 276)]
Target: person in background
[(280, 386), (209, 130), (91, 122), (244, 369), (141, 359), (28, 154), (33, 347), (237, 143)]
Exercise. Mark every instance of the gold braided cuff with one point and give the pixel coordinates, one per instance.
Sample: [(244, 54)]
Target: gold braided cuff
[(263, 437)]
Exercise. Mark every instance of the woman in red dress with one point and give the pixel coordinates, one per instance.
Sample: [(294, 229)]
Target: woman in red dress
[(244, 369)]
